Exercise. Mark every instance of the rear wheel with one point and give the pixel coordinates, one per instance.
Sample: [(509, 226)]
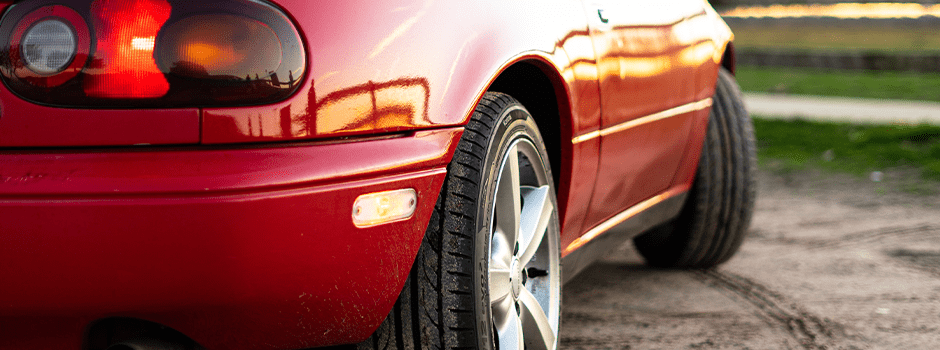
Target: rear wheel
[(714, 221), (487, 274)]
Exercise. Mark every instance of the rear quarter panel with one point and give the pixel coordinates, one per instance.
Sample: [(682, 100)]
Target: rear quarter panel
[(393, 66), (413, 64), (399, 65)]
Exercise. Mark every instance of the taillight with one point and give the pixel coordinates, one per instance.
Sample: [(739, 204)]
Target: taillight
[(46, 48), (150, 53), (126, 31)]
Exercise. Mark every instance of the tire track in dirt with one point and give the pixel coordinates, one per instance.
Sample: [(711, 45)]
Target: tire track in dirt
[(928, 261), (868, 236), (863, 237), (809, 330)]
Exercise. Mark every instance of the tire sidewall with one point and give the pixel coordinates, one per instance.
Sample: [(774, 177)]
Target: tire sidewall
[(514, 123)]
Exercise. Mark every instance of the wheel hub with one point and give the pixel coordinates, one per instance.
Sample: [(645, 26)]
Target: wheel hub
[(516, 279)]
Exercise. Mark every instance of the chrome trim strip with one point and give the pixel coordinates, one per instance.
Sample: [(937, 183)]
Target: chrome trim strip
[(672, 112)]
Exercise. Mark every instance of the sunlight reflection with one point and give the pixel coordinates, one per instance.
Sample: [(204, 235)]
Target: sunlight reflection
[(845, 11), (374, 106)]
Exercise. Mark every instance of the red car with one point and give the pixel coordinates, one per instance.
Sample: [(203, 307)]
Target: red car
[(287, 174)]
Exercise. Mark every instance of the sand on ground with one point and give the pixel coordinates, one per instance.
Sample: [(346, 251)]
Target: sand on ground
[(830, 262)]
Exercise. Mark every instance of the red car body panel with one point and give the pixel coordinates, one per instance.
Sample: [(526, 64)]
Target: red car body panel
[(652, 57), (24, 124), (242, 238), (236, 248)]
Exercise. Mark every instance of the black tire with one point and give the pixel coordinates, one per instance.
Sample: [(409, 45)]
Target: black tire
[(446, 302), (714, 220)]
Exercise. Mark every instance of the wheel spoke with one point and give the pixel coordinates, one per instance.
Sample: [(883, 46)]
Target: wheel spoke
[(501, 246), (503, 311), (509, 331), (534, 220), (500, 287), (519, 236), (537, 329), (508, 201)]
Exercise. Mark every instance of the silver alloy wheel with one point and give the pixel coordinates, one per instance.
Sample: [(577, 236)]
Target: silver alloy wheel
[(524, 274)]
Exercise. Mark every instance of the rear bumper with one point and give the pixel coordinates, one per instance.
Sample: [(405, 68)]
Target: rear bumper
[(237, 249)]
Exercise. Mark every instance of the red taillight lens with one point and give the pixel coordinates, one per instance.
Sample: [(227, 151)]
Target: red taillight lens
[(142, 53), (126, 31)]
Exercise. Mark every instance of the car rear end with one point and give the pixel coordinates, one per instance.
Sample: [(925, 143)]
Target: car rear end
[(162, 179)]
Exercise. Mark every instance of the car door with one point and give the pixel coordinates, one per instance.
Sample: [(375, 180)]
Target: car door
[(648, 55)]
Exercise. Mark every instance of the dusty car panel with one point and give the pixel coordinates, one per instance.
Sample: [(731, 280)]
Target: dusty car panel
[(231, 224), (224, 236)]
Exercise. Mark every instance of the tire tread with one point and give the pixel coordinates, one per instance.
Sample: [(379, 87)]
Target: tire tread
[(430, 313)]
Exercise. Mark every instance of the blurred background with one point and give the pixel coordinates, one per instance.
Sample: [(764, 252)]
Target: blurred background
[(844, 248), (852, 49)]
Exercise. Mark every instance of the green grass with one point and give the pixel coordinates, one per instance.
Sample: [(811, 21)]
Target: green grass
[(869, 84), (837, 35), (855, 149)]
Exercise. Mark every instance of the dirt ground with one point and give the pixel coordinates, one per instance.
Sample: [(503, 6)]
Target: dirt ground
[(831, 262)]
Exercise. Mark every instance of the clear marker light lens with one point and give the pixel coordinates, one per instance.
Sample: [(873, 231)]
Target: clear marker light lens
[(384, 207), (48, 47)]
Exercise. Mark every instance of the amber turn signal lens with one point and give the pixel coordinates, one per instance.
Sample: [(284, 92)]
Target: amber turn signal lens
[(220, 46)]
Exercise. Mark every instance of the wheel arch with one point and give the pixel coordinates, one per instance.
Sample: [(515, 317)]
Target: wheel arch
[(728, 59), (541, 89)]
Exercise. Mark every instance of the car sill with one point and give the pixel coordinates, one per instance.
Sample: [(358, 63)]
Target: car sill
[(627, 224)]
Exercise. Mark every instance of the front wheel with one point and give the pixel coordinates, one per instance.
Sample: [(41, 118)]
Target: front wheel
[(487, 275)]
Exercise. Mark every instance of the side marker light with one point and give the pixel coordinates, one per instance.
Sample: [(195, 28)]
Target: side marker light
[(384, 207)]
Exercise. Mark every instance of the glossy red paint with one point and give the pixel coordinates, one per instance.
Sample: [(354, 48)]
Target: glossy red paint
[(117, 172), (159, 260), (705, 78), (574, 196), (650, 57), (24, 124), (250, 220), (403, 72), (202, 240), (688, 163)]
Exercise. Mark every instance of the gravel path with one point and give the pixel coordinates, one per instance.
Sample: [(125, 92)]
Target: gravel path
[(831, 263), (857, 110)]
